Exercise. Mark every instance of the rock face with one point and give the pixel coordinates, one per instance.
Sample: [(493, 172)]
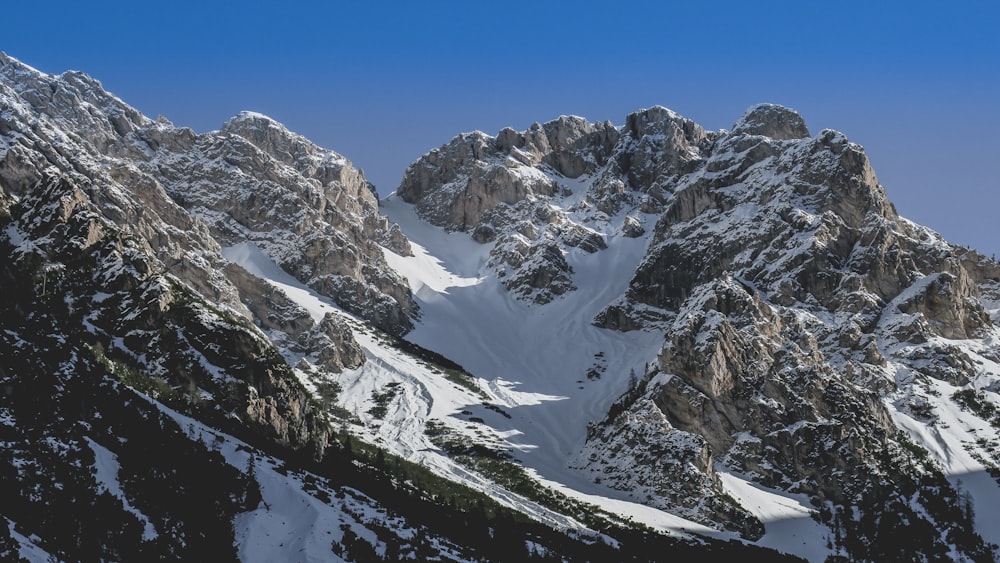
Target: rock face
[(144, 282), (798, 307), (453, 186), (802, 318), (639, 451), (253, 182), (774, 121), (305, 208), (557, 188), (160, 205)]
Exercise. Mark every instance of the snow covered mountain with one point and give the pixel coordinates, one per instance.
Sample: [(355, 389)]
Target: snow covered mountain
[(791, 356), (579, 341)]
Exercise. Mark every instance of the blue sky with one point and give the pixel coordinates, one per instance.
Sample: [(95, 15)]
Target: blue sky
[(916, 83)]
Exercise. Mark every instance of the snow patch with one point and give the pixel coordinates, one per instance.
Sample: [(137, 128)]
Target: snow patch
[(28, 547), (788, 519), (106, 466)]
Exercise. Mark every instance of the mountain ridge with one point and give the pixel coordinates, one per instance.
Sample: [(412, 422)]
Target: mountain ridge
[(692, 330), (822, 245)]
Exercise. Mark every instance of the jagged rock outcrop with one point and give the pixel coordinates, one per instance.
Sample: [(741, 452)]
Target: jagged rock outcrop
[(82, 178), (335, 341), (773, 121), (655, 147), (306, 208), (564, 186), (640, 435), (455, 185), (793, 298)]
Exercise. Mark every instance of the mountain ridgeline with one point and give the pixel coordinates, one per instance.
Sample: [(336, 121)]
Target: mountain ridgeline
[(203, 356)]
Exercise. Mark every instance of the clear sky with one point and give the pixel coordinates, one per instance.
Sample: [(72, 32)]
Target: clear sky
[(917, 83)]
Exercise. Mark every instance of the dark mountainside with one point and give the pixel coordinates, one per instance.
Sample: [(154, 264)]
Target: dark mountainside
[(162, 401)]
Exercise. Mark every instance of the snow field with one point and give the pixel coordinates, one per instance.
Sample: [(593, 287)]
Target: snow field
[(106, 465), (420, 396), (532, 361), (547, 350)]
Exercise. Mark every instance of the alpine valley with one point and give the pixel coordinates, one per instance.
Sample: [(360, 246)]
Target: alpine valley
[(578, 342)]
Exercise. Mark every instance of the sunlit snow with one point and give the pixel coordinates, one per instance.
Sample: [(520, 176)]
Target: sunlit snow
[(531, 361)]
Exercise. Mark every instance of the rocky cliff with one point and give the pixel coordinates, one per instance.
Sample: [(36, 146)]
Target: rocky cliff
[(805, 323), (134, 353), (521, 192), (306, 208), (739, 314), (141, 279), (804, 315)]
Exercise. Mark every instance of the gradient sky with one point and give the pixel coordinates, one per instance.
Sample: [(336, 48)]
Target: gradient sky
[(917, 83)]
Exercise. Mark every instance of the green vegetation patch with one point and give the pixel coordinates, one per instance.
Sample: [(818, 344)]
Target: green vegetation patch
[(155, 387), (383, 398)]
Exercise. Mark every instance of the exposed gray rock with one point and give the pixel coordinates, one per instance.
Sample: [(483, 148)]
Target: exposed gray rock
[(455, 185), (677, 468), (541, 273), (588, 240), (271, 308), (795, 297), (814, 208), (88, 175), (632, 228), (772, 120), (335, 341), (396, 241), (947, 301), (306, 208), (519, 181)]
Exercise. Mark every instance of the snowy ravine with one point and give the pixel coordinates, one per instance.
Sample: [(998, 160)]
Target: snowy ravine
[(547, 350), (512, 347), (780, 325), (422, 394), (425, 395)]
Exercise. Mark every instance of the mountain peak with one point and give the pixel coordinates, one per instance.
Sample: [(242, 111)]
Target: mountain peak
[(772, 120), (274, 138), (9, 61), (249, 121), (794, 363), (81, 80)]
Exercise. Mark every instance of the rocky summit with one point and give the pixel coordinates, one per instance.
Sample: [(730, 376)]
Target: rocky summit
[(580, 341)]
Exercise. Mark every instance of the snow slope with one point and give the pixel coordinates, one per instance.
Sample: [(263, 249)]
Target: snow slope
[(106, 466), (955, 438), (298, 517), (534, 359), (27, 548), (422, 395), (522, 347)]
